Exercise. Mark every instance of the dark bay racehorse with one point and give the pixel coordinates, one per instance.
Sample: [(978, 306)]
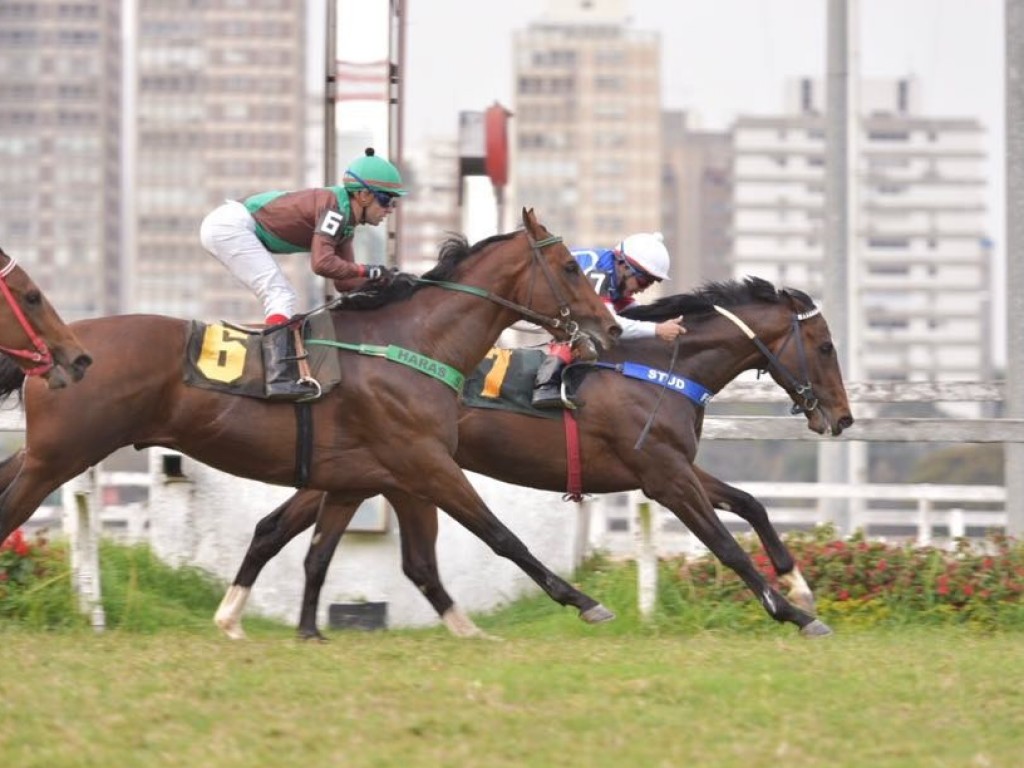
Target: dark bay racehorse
[(733, 327), (32, 333), (383, 428)]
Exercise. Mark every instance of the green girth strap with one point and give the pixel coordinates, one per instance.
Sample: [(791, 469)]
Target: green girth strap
[(396, 354)]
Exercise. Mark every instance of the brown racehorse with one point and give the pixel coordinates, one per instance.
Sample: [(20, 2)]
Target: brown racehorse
[(32, 333), (383, 428), (733, 327)]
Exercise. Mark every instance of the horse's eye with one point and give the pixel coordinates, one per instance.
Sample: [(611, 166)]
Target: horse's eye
[(826, 348), (34, 297), (572, 267)]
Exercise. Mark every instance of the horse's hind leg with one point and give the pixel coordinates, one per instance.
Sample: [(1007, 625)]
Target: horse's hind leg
[(270, 535), (417, 521), (441, 480), (731, 499)]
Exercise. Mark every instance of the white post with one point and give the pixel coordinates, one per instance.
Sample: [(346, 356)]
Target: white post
[(1014, 23), (646, 559), (957, 526), (82, 524), (924, 522)]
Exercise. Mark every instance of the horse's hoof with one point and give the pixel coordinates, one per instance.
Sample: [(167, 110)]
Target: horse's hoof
[(230, 628), (312, 636), (804, 601), (816, 628), (597, 615)]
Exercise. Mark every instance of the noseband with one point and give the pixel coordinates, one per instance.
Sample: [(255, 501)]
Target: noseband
[(41, 353), (805, 391)]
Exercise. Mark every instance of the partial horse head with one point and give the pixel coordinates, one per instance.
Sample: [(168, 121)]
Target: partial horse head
[(561, 284), (32, 333), (814, 381), (532, 274)]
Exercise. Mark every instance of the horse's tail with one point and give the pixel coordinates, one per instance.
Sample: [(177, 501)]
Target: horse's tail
[(11, 378)]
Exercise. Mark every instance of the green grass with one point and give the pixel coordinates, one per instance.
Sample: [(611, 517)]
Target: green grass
[(895, 698), (702, 685)]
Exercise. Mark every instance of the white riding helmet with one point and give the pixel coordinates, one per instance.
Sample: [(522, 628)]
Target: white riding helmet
[(647, 251)]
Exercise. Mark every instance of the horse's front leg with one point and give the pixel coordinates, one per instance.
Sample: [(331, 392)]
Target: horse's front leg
[(731, 499), (681, 492), (440, 480), (270, 535)]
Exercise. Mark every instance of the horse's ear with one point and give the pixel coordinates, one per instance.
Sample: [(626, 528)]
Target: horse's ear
[(797, 300), (529, 220)]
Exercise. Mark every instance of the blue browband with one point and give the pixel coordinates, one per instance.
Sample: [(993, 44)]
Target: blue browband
[(691, 389)]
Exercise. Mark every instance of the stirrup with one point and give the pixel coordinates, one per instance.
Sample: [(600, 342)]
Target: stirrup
[(309, 381)]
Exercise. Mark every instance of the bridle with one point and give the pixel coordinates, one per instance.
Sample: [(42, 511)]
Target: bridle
[(563, 322), (40, 355), (805, 391)]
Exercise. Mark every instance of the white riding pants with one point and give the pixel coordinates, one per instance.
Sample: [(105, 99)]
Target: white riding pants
[(229, 233)]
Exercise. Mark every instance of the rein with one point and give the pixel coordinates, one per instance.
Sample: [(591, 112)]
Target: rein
[(562, 322), (41, 354), (805, 390)]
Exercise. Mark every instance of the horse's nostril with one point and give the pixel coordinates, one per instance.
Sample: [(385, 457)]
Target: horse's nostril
[(846, 421)]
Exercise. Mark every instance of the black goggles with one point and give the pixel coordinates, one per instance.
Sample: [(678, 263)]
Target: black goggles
[(386, 199), (643, 279)]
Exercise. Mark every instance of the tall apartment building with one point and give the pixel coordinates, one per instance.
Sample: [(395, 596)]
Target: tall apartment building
[(921, 251), (60, 143), (696, 201), (587, 125), (220, 108)]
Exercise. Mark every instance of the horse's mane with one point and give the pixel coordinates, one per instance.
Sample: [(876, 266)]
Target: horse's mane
[(727, 293), (452, 252)]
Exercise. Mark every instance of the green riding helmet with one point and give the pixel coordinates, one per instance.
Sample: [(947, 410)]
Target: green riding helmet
[(373, 172)]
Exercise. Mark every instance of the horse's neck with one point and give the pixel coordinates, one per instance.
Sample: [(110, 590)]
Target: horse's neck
[(455, 328), (712, 353)]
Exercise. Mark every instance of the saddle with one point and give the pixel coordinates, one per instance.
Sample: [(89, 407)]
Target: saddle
[(270, 366)]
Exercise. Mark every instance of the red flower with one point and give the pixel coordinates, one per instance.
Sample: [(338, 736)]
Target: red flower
[(968, 590), (882, 564)]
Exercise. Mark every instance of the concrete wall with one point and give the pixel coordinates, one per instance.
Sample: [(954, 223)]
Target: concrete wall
[(207, 519)]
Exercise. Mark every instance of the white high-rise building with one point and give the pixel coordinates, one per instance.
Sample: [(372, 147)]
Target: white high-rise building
[(921, 251), (587, 125), (60, 149)]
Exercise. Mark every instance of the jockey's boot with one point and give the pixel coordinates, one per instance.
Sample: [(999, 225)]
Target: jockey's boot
[(281, 368), (547, 387)]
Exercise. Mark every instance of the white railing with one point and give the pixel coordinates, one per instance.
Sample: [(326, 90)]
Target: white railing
[(926, 515)]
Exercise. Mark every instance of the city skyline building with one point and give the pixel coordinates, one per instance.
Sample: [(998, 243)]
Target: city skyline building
[(60, 150), (587, 125), (921, 251), (220, 112)]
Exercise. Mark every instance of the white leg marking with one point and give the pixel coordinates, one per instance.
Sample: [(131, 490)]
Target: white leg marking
[(460, 625), (229, 612)]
